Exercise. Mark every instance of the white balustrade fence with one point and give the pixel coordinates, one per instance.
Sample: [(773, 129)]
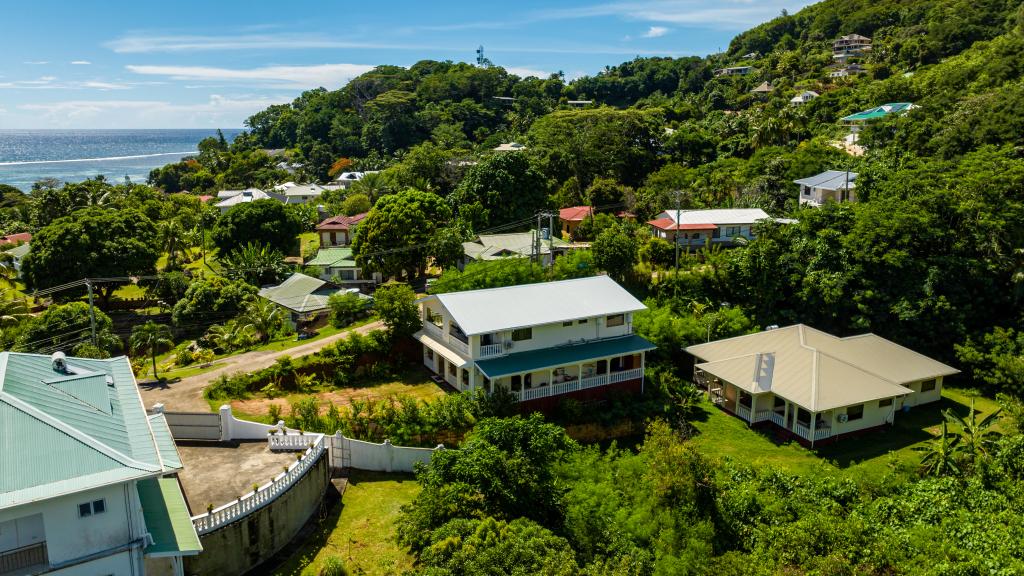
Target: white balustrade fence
[(762, 415), (743, 412), (267, 493), (488, 350), (566, 387)]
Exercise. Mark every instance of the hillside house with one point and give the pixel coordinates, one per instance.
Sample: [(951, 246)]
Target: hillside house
[(847, 71), (813, 385), (856, 121), (803, 98), (303, 297), (572, 217), (338, 265), (301, 193), (510, 147), (763, 88), (734, 71), (88, 480), (346, 179), (17, 255), (542, 342), (338, 230), (829, 186), (701, 227), (849, 46), (488, 247), (228, 199)]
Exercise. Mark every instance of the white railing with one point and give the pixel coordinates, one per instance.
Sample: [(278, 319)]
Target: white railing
[(434, 330), (532, 393), (491, 349), (802, 430), (593, 381), (778, 418), (822, 433), (291, 442), (458, 345), (762, 415), (625, 375), (267, 493), (743, 412)]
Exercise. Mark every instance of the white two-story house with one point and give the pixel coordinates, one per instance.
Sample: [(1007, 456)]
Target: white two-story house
[(700, 227), (542, 342), (86, 477)]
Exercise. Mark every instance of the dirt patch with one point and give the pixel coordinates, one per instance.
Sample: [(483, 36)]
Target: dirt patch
[(342, 397)]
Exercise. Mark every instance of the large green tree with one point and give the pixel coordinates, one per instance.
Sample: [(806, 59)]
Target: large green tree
[(93, 243), (505, 188), (263, 222), (396, 234)]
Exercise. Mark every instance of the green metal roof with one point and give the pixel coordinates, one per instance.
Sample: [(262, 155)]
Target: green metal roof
[(167, 518), (300, 293), (561, 356), (879, 112), (165, 443), (61, 433), (334, 258)]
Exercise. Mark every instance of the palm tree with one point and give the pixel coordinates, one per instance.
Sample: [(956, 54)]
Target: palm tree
[(230, 335), (256, 264), (978, 437), (263, 317), (941, 455), (150, 338)]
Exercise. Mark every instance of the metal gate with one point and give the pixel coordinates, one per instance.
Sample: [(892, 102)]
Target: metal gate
[(194, 425)]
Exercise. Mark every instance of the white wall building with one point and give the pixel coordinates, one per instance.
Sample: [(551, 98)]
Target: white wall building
[(829, 186), (815, 385), (699, 227), (538, 341), (85, 487)]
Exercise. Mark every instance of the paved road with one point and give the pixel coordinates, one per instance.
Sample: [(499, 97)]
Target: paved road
[(187, 395)]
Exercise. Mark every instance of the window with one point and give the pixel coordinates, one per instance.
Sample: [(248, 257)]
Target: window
[(732, 230), (616, 320), (583, 321), (520, 334), (429, 352), (452, 369), (807, 191), (465, 378), (695, 236), (855, 412), (567, 323), (885, 403), (90, 508), (928, 385)]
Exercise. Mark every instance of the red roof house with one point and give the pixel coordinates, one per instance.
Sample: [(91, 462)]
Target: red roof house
[(338, 230)]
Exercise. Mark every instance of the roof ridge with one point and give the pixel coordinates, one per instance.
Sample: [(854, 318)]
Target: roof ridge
[(514, 286), (75, 433)]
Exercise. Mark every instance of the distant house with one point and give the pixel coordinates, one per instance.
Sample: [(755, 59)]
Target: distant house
[(848, 46), (18, 238), (813, 385), (734, 71), (572, 217), (857, 121), (338, 230), (803, 98), (338, 265), (541, 342), (303, 297), (829, 186), (509, 147), (512, 245), (346, 179), (231, 198), (750, 56), (700, 227), (846, 71), (88, 478), (763, 88), (302, 193), (17, 255), (579, 103)]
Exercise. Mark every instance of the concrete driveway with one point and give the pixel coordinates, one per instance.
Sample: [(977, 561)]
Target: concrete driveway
[(187, 394)]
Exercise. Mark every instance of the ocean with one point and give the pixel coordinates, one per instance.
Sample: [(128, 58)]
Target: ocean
[(27, 156)]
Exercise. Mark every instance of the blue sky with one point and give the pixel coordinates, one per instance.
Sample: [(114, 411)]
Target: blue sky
[(186, 64)]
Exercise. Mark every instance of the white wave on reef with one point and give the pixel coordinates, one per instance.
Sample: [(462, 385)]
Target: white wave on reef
[(106, 159)]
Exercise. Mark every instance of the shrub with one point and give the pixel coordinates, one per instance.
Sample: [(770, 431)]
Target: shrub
[(274, 412), (345, 308), (333, 566), (184, 357)]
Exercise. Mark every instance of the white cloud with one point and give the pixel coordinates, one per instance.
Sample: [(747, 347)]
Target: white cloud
[(655, 32), (300, 77), (218, 110), (149, 43), (36, 62), (81, 62), (723, 14), (523, 72), (98, 85)]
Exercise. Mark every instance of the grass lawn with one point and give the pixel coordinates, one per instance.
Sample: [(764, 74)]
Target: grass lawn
[(361, 530), (309, 243), (867, 457)]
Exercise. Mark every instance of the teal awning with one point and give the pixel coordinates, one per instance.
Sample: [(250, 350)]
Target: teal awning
[(167, 518), (561, 356)]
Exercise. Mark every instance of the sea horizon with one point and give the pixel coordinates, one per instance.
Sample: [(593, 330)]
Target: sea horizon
[(76, 154)]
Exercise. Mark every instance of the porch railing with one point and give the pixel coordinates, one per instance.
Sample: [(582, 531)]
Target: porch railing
[(267, 493), (778, 418), (802, 430), (822, 433), (762, 415), (559, 388), (24, 557), (743, 412), (487, 350)]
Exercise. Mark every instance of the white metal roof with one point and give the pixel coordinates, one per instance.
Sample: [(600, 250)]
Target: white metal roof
[(830, 180), (496, 309), (717, 216), (817, 370)]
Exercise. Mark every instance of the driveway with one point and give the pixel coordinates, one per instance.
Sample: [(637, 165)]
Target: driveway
[(187, 394)]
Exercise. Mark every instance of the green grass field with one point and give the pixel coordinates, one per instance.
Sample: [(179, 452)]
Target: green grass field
[(868, 457), (361, 530)]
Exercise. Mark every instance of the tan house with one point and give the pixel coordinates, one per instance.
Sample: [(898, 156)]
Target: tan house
[(338, 230), (815, 386)]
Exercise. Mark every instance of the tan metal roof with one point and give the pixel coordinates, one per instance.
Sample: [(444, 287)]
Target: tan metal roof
[(817, 370)]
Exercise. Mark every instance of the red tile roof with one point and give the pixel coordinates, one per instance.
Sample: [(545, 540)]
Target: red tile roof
[(19, 237), (575, 213), (205, 197), (340, 222)]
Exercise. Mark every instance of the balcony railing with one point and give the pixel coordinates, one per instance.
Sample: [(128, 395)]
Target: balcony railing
[(487, 350), (574, 385), (458, 345), (19, 559), (433, 330)]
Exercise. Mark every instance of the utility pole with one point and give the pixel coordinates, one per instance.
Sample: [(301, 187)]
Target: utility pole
[(92, 312), (676, 237), (551, 238), (536, 239)]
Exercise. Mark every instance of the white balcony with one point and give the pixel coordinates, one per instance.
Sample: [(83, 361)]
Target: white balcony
[(488, 350), (30, 559), (458, 345), (576, 384)]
